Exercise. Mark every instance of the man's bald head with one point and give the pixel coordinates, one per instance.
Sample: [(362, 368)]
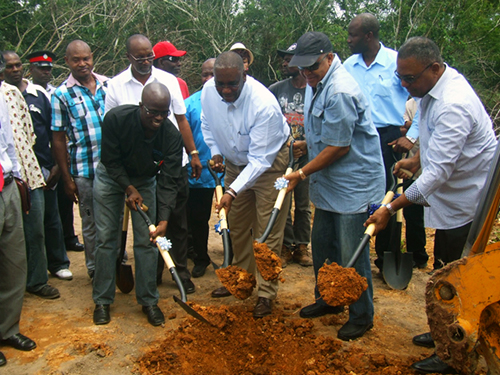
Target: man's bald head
[(229, 59), (135, 39), (155, 93), (368, 23), (13, 72), (77, 45), (207, 70), (155, 104), (80, 60)]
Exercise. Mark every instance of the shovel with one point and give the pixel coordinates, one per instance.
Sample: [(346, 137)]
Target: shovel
[(279, 200), (124, 275), (226, 241), (398, 267), (163, 246)]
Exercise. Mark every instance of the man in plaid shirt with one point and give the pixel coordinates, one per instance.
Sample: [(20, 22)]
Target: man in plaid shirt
[(77, 112)]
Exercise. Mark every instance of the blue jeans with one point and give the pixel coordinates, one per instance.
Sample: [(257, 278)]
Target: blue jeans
[(108, 206), (336, 237), (57, 259), (35, 242), (86, 204)]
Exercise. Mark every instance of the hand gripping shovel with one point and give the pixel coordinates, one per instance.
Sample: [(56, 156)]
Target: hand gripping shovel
[(124, 275), (398, 266), (163, 246), (226, 241)]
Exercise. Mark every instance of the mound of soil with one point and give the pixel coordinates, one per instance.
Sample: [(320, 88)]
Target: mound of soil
[(238, 281), (269, 263), (277, 344), (340, 286)]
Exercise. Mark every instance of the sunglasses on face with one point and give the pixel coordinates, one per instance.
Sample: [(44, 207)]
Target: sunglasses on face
[(409, 78), (314, 66), (154, 113), (172, 59), (141, 60)]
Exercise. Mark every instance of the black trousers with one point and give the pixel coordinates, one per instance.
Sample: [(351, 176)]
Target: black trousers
[(177, 231), (66, 213), (383, 239), (449, 244), (415, 231), (199, 210)]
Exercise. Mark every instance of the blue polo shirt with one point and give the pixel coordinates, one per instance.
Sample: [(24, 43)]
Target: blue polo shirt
[(386, 95), (338, 114)]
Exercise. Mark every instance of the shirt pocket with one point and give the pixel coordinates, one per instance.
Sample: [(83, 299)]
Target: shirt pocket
[(383, 87), (77, 108), (317, 116), (242, 141)]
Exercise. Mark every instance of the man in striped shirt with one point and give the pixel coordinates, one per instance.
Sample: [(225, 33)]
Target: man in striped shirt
[(77, 112)]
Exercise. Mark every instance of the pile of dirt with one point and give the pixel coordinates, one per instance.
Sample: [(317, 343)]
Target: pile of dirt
[(340, 286), (278, 344), (239, 282), (269, 263)]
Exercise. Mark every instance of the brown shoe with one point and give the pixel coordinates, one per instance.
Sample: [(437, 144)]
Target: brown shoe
[(221, 292), (301, 256), (263, 307), (286, 256)]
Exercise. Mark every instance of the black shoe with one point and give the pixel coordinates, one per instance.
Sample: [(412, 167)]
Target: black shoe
[(198, 270), (433, 365), (75, 246), (101, 314), (3, 360), (188, 286), (316, 309), (47, 292), (424, 340), (20, 342), (220, 292), (155, 316), (263, 308), (351, 331)]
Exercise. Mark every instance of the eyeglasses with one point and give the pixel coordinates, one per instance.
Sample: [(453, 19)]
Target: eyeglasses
[(172, 59), (155, 113), (141, 60), (314, 66), (409, 79)]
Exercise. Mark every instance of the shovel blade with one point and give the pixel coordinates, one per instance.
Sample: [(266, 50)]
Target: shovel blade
[(124, 278), (397, 272), (191, 311)]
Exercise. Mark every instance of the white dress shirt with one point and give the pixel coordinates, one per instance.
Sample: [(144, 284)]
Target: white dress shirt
[(457, 144), (125, 89), (249, 132)]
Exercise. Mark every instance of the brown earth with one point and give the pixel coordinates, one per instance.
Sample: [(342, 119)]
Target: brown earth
[(268, 263), (283, 343), (339, 286), (237, 281)]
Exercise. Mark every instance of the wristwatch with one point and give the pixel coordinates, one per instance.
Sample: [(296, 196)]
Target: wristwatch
[(411, 139)]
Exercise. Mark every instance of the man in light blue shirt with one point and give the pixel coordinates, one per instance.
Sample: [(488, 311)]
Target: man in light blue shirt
[(242, 122), (345, 168), (372, 65)]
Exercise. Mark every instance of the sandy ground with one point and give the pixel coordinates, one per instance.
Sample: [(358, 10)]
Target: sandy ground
[(69, 343)]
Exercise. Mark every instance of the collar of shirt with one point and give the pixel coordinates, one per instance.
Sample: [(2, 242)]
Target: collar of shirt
[(437, 91), (72, 81), (335, 65), (382, 58), (33, 88)]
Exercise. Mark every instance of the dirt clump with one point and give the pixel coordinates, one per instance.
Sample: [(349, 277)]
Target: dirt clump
[(340, 286), (277, 344), (269, 263), (237, 281)]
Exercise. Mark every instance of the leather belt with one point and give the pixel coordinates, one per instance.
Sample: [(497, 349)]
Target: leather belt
[(8, 178)]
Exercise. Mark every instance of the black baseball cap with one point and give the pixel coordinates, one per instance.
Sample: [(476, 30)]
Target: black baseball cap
[(310, 46), (289, 51)]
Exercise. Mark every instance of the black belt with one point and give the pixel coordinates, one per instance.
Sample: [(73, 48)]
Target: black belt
[(8, 178)]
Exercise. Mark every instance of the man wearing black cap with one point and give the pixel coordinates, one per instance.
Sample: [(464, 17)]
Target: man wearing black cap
[(290, 94), (41, 69), (345, 164)]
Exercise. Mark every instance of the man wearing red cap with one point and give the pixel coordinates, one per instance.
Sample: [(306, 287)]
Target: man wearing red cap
[(168, 58)]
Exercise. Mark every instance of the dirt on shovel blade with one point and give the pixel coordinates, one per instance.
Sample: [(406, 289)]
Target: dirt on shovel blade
[(238, 281), (269, 263), (340, 286)]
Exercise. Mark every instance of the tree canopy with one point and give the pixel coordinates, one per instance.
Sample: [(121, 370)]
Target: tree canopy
[(467, 31)]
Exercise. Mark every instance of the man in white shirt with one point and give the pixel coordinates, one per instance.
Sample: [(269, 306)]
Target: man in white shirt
[(457, 144), (126, 88), (242, 122)]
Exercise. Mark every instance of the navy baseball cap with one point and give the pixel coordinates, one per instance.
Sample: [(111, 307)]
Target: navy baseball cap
[(310, 46), (289, 51)]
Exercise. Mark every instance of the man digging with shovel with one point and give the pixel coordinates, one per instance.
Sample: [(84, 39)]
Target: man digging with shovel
[(141, 157), (242, 121), (345, 168)]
